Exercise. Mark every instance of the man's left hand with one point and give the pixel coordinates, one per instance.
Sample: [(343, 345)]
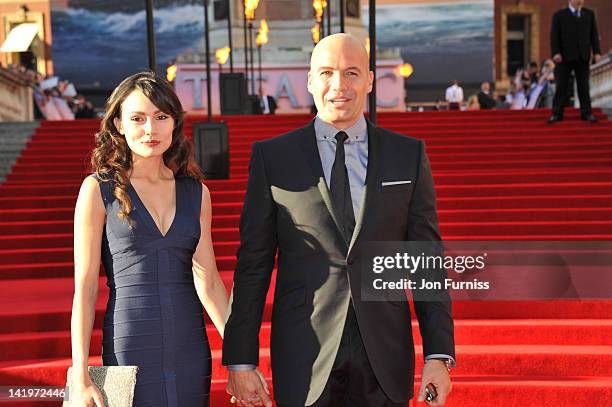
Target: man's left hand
[(597, 57), (435, 372)]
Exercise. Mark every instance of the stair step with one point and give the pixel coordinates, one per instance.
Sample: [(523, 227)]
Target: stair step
[(45, 304), (588, 333), (446, 177), (494, 360), (60, 220), (565, 198)]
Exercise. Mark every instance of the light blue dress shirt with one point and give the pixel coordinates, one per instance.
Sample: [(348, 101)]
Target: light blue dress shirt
[(355, 153), (574, 11)]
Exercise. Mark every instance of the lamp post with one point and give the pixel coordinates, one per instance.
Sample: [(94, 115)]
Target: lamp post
[(341, 16), (261, 40), (151, 35), (229, 34), (208, 75), (251, 58), (328, 12), (405, 70), (221, 55), (246, 49), (249, 13), (210, 138)]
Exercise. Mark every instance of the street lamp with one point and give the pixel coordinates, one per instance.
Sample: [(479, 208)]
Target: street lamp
[(171, 73), (405, 70), (316, 33), (221, 55), (261, 40), (249, 14)]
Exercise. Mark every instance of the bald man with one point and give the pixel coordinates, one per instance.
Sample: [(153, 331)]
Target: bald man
[(315, 196)]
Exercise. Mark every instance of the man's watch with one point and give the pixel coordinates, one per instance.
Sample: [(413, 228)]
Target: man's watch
[(448, 362)]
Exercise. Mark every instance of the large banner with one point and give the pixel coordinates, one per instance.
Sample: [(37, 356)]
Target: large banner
[(443, 40), (98, 43)]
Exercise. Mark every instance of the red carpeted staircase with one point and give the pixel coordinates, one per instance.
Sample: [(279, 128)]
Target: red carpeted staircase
[(500, 175)]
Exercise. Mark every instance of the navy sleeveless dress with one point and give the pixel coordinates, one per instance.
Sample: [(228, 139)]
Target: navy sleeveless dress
[(154, 317)]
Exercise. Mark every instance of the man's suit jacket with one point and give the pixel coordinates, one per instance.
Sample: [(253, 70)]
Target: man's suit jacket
[(271, 104), (485, 101), (288, 207), (573, 37)]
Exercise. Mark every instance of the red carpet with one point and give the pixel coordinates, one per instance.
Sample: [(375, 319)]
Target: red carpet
[(500, 175)]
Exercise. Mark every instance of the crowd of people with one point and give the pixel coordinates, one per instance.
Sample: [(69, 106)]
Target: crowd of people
[(531, 87), (54, 99)]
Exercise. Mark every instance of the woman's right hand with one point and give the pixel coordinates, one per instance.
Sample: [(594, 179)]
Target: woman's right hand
[(86, 394)]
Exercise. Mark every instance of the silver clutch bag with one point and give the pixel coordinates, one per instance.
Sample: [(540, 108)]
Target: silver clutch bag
[(116, 383)]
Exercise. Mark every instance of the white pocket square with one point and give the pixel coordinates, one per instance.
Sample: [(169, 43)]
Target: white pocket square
[(387, 183)]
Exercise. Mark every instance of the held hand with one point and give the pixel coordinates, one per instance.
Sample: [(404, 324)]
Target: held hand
[(597, 57), (248, 388), (85, 393), (435, 372), (557, 58), (264, 383)]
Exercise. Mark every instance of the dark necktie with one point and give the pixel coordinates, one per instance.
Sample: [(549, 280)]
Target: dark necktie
[(341, 190)]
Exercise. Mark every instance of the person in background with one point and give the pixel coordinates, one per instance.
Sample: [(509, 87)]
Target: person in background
[(268, 103), (48, 107), (548, 77), (473, 103), (573, 35), (532, 73), (501, 103), (519, 90), (61, 105), (438, 105), (454, 96), (485, 100), (83, 109)]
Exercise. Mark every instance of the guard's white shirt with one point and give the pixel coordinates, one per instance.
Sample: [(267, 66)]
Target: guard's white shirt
[(454, 94)]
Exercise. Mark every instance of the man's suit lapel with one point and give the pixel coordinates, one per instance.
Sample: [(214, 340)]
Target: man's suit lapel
[(370, 188), (308, 145)]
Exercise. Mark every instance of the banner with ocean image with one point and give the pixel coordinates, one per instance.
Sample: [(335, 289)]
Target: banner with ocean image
[(98, 43), (443, 40)]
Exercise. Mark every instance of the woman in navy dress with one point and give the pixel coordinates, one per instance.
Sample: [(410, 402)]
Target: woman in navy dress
[(147, 216)]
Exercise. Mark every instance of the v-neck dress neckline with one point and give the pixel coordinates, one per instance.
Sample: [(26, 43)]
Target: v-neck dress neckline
[(148, 213)]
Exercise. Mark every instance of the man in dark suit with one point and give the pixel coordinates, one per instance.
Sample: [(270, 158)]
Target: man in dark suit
[(267, 102), (485, 100), (318, 195), (572, 37)]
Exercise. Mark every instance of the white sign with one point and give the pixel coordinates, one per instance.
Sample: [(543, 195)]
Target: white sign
[(286, 83)]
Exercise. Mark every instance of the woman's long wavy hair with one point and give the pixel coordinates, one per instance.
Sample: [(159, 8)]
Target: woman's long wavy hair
[(111, 159)]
